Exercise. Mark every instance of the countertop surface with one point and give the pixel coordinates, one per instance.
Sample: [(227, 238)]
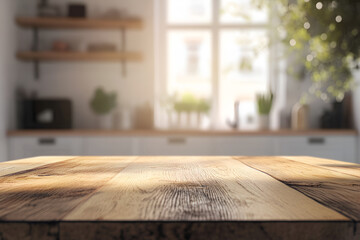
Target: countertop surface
[(179, 198), (154, 132)]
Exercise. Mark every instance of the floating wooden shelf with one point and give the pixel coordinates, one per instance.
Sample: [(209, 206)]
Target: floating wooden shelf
[(37, 22), (79, 56)]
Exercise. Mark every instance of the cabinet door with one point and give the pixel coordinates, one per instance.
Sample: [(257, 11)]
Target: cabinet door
[(341, 148), (174, 145), (102, 146), (245, 146), (23, 147)]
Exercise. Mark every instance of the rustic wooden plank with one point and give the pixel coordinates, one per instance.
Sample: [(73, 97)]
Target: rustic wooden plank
[(48, 192), (178, 230), (339, 166), (29, 231), (336, 190), (197, 188), (208, 230), (28, 163)]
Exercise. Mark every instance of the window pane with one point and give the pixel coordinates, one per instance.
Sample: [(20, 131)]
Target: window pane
[(189, 11), (189, 59), (242, 11), (244, 71)]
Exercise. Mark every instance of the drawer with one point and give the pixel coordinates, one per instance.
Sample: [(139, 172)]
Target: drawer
[(245, 146), (23, 147), (100, 146), (332, 147), (174, 145)]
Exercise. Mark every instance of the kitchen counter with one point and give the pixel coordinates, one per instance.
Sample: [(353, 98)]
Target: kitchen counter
[(331, 144), (179, 198), (78, 132)]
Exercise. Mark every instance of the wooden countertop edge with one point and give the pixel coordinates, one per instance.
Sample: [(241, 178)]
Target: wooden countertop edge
[(154, 132)]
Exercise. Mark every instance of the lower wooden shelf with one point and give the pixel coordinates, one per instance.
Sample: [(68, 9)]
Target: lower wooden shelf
[(78, 56)]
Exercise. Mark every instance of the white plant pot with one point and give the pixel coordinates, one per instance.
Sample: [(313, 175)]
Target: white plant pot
[(264, 122), (105, 121), (125, 119)]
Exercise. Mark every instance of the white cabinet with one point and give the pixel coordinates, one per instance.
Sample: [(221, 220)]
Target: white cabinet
[(212, 145), (244, 145), (23, 147), (175, 145), (341, 148), (102, 146)]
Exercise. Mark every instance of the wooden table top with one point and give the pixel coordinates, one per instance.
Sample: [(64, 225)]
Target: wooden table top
[(179, 198)]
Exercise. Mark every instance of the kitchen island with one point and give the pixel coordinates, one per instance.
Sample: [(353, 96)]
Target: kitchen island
[(165, 197)]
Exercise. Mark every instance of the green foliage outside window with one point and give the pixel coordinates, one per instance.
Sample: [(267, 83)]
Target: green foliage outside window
[(324, 38)]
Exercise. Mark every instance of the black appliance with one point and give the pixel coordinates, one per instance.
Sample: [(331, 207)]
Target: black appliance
[(46, 114), (77, 10)]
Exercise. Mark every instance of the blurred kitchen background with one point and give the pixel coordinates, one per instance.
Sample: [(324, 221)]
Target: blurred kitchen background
[(180, 77)]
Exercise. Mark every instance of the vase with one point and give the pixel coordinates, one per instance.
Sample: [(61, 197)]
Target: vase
[(299, 117), (264, 121), (105, 121)]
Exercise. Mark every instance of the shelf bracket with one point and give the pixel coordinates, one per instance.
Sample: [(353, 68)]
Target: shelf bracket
[(35, 48), (123, 48)]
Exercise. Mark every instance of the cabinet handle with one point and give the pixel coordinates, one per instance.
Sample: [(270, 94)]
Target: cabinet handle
[(47, 141), (316, 140), (176, 140)]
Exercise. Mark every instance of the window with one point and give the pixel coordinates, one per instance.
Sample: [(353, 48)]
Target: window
[(217, 50)]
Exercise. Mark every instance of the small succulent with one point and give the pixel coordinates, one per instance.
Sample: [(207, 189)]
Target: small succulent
[(264, 103), (103, 103)]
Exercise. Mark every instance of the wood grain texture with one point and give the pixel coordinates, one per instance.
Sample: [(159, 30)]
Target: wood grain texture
[(178, 198), (43, 22), (28, 164), (29, 231), (178, 230), (197, 188), (334, 189), (50, 191), (208, 230), (338, 166)]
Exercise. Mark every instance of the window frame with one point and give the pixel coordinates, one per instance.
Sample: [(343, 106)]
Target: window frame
[(214, 27)]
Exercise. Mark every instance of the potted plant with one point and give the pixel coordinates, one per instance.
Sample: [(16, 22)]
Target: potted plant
[(264, 104), (190, 107), (103, 104), (203, 107), (185, 105)]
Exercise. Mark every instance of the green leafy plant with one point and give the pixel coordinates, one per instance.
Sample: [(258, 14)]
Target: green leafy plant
[(103, 103), (203, 106), (264, 103), (324, 38), (189, 103)]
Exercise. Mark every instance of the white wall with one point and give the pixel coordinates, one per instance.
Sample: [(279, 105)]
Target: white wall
[(77, 80), (7, 71)]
